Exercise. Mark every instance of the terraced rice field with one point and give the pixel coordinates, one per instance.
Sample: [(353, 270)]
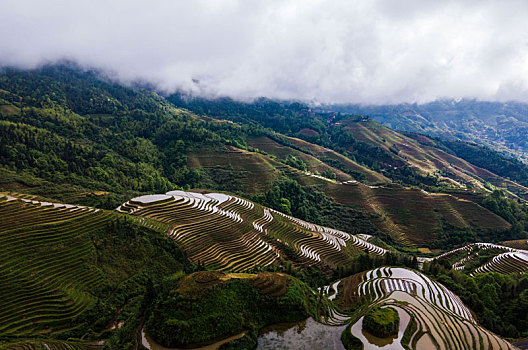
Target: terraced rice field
[(48, 345), (256, 170), (282, 152), (442, 320), (506, 263), (511, 261), (518, 244), (411, 216), (231, 233), (43, 252)]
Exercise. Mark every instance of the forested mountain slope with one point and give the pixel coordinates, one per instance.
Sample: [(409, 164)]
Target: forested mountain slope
[(295, 199), (73, 135)]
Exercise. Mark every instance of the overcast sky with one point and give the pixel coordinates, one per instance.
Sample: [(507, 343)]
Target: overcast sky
[(329, 51)]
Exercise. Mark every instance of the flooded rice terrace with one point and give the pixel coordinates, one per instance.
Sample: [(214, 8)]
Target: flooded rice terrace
[(307, 334), (372, 342)]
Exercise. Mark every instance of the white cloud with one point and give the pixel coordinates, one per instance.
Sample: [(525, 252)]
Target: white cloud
[(331, 51)]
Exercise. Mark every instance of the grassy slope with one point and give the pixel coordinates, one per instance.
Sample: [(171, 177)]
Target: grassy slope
[(241, 170), (420, 152), (405, 213), (72, 273), (347, 163), (319, 160), (412, 216)]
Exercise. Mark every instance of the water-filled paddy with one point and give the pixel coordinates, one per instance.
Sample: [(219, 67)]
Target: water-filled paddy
[(307, 334), (372, 342)]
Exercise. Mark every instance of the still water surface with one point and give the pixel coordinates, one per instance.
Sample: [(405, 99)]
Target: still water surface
[(307, 334)]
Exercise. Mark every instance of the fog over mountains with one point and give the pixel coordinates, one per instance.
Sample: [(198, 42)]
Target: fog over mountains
[(325, 51)]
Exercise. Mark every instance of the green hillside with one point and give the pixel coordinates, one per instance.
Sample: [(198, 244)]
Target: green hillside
[(202, 309), (71, 135), (65, 274), (126, 213)]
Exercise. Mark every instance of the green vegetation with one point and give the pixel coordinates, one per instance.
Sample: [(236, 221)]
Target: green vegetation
[(71, 126), (409, 332), (71, 135), (312, 204), (514, 212), (295, 162), (382, 322), (349, 341), (484, 157), (500, 301), (209, 306), (72, 273)]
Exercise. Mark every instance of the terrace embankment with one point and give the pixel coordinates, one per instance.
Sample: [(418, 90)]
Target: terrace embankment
[(74, 272), (415, 217), (504, 259), (434, 315), (231, 233)]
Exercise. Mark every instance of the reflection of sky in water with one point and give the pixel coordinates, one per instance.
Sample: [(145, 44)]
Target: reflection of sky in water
[(307, 334), (371, 342)]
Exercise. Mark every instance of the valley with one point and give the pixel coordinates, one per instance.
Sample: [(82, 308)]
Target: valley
[(129, 215)]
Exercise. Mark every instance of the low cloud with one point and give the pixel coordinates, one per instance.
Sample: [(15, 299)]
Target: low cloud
[(327, 51)]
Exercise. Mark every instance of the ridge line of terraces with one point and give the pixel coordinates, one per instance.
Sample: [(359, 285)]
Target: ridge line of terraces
[(480, 245), (17, 197), (334, 237), (194, 219), (505, 263), (431, 291), (513, 260)]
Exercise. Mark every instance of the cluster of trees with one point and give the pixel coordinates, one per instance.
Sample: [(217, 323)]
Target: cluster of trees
[(382, 322), (179, 320), (511, 210), (70, 125), (312, 204), (295, 162)]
